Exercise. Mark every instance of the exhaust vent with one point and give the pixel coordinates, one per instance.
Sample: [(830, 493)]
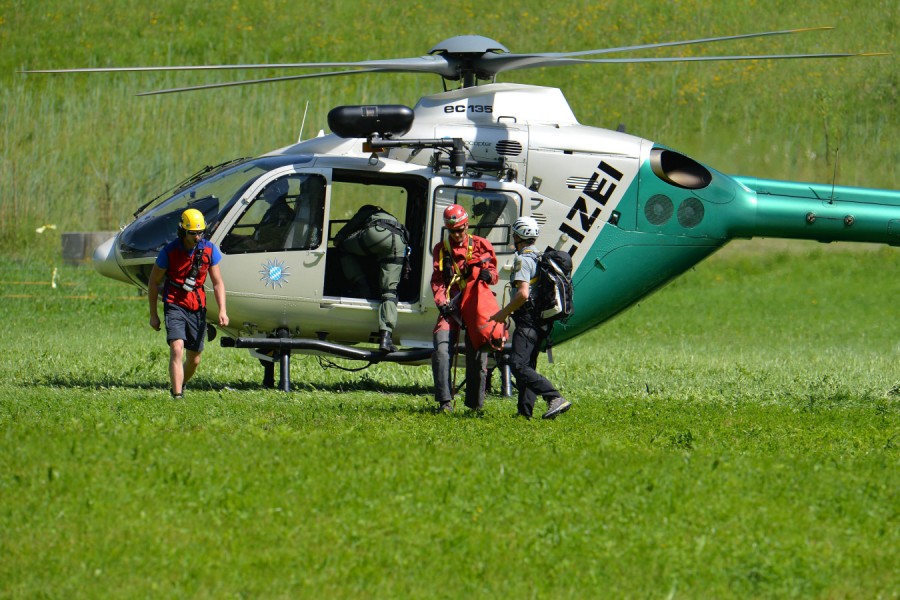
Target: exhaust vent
[(541, 218), (679, 170)]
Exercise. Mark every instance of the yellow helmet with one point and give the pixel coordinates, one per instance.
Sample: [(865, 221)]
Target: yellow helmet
[(192, 220)]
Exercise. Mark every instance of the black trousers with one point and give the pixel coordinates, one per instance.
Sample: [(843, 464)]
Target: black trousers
[(526, 346)]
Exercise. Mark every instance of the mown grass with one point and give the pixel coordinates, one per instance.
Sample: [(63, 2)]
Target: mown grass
[(82, 152), (733, 436)]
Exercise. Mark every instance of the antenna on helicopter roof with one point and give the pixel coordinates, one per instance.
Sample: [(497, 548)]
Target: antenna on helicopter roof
[(303, 122), (837, 154)]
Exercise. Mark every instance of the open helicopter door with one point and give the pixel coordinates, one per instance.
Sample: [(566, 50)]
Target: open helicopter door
[(389, 203)]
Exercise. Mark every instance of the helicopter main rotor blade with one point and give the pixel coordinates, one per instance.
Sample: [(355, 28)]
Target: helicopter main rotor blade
[(422, 64), (255, 81), (489, 63), (502, 57), (538, 63), (469, 58), (558, 62)]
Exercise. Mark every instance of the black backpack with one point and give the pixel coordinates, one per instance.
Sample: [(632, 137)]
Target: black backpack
[(552, 292)]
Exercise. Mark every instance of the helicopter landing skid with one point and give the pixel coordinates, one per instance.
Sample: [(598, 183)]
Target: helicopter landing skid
[(282, 347)]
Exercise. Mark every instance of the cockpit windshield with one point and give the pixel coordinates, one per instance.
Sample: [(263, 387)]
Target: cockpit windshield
[(213, 196)]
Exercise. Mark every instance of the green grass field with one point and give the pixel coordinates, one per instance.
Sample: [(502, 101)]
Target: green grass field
[(736, 435)]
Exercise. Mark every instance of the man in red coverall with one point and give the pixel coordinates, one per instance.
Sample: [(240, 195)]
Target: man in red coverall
[(454, 259)]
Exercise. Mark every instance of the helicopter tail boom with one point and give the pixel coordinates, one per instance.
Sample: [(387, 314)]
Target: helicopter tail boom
[(822, 212)]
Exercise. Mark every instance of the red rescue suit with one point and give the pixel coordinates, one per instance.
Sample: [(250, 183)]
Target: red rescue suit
[(455, 268)]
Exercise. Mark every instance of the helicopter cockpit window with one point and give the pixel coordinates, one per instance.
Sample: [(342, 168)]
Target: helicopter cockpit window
[(287, 214), (213, 194), (491, 213)]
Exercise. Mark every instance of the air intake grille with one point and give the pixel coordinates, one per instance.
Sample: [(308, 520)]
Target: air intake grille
[(690, 213), (509, 148), (541, 218), (579, 183), (659, 209)]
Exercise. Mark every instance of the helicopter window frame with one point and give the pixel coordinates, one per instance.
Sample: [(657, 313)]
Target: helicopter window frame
[(286, 215), (404, 195), (214, 194), (491, 222)]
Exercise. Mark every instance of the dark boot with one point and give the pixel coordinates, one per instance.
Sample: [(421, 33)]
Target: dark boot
[(386, 345)]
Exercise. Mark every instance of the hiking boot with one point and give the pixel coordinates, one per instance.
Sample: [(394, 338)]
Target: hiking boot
[(386, 344), (556, 407), (445, 407)]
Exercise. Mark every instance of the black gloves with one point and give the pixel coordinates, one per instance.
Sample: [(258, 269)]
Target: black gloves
[(484, 275), (446, 310)]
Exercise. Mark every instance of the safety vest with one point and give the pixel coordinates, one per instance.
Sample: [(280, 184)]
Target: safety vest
[(180, 263)]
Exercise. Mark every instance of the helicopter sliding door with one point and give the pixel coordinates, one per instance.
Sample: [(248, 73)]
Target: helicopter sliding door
[(492, 213), (353, 272)]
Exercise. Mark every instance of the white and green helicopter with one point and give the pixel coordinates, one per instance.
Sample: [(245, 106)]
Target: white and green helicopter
[(633, 213)]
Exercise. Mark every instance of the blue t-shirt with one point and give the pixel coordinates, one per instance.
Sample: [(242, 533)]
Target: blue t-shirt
[(162, 260), (177, 262)]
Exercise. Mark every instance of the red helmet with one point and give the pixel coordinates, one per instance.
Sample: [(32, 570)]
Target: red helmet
[(455, 217)]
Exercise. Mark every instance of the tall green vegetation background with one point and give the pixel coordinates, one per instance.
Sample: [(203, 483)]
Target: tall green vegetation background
[(81, 151), (734, 436)]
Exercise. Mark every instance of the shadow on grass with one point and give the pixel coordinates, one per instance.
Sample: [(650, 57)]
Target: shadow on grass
[(201, 384)]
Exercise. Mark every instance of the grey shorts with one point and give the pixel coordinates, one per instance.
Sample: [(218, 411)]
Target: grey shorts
[(182, 324)]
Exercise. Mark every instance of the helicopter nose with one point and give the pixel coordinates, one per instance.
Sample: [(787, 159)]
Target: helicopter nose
[(105, 261)]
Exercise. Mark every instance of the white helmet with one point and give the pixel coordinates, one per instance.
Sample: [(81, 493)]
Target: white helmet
[(526, 228)]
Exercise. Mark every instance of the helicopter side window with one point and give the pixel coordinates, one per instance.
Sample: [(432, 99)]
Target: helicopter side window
[(287, 214), (491, 213)]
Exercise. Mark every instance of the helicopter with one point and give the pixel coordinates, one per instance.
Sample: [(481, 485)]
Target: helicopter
[(633, 213)]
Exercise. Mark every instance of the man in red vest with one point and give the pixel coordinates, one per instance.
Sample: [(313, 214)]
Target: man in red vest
[(184, 264), (454, 259)]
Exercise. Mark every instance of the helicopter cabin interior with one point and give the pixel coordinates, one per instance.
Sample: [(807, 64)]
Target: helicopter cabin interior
[(289, 214)]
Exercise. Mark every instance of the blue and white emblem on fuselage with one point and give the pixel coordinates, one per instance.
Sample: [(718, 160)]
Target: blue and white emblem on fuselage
[(274, 272)]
